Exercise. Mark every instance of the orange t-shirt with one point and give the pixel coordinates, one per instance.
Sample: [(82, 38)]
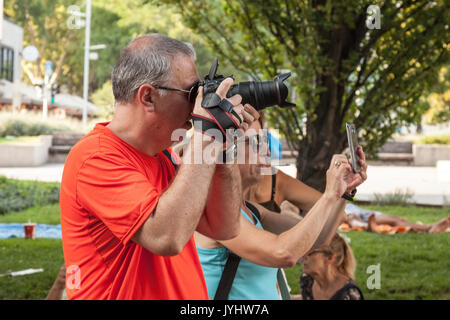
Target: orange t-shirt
[(108, 190)]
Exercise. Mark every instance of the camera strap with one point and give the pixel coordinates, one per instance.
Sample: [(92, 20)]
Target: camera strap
[(221, 110), (203, 125)]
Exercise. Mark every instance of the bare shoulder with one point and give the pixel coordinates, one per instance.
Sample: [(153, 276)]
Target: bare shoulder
[(281, 176)]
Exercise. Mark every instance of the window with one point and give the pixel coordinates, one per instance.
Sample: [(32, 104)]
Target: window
[(6, 63)]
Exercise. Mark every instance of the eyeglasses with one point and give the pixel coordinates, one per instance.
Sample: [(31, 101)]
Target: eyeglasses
[(324, 251), (192, 92)]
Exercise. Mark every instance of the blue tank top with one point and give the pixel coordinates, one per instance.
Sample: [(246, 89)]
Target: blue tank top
[(252, 281)]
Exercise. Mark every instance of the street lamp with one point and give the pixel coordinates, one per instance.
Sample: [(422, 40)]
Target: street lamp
[(87, 40), (75, 22)]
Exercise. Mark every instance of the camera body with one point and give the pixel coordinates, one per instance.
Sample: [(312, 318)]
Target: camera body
[(211, 85)]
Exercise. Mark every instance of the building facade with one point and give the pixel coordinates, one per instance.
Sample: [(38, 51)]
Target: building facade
[(11, 42)]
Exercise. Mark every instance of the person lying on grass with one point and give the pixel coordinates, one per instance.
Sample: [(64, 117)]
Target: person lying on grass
[(359, 219)]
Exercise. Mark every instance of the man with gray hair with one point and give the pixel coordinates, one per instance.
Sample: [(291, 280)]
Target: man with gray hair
[(127, 219)]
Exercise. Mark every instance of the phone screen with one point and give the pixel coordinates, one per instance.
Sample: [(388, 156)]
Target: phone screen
[(353, 144)]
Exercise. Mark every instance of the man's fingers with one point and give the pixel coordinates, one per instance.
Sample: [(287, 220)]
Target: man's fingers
[(224, 87), (248, 117), (239, 109), (252, 111), (235, 100)]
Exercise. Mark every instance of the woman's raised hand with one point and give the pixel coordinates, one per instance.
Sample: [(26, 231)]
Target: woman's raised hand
[(340, 176)]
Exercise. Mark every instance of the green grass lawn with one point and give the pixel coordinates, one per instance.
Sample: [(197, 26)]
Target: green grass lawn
[(413, 266), (45, 214), (20, 254)]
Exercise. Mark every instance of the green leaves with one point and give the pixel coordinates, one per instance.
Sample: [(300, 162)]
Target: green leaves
[(344, 70)]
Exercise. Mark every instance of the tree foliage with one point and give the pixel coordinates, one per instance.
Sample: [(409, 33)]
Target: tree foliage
[(344, 71), (113, 22), (104, 99), (438, 101), (45, 27)]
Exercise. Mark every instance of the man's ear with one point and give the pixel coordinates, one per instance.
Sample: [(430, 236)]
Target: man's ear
[(145, 96)]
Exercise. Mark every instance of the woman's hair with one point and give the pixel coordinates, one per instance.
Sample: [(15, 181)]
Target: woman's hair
[(345, 260)]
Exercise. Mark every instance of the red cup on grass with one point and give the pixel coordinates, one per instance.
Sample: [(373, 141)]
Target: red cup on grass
[(30, 230)]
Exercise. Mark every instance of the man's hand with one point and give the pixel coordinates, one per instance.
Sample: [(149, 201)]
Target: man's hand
[(250, 115), (246, 113)]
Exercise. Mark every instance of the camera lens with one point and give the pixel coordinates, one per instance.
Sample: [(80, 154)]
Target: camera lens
[(259, 94), (263, 94)]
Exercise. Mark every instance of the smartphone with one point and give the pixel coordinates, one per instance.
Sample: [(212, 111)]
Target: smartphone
[(353, 145)]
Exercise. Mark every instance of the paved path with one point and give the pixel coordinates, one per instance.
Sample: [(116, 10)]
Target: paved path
[(423, 182), (47, 172)]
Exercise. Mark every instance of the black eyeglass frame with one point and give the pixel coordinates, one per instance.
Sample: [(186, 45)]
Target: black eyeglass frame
[(190, 92)]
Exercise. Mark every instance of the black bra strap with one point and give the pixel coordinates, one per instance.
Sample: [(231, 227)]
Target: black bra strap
[(253, 210), (274, 185)]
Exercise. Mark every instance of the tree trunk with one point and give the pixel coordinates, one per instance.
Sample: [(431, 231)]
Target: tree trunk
[(315, 155), (323, 133)]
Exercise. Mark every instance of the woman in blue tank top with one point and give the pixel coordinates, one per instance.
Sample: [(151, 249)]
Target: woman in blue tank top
[(274, 240)]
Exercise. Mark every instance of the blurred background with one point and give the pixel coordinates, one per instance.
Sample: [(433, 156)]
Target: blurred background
[(382, 65)]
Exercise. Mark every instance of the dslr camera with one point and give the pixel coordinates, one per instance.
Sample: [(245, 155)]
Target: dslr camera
[(259, 94)]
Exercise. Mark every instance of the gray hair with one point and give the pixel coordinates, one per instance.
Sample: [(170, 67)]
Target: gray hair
[(146, 59)]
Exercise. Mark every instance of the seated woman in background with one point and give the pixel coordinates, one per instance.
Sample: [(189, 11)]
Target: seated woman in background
[(328, 273)]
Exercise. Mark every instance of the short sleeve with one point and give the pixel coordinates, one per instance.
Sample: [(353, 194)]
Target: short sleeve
[(306, 283), (117, 193), (352, 293)]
